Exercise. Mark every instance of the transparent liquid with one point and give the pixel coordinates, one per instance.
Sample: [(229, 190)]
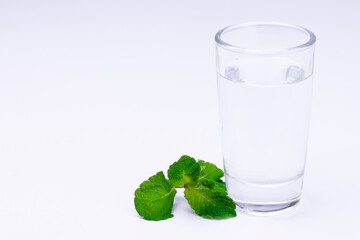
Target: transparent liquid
[(264, 135)]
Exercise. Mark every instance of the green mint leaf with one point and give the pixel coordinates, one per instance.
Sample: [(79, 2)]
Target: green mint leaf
[(154, 198), (184, 171), (221, 184), (209, 171), (209, 200)]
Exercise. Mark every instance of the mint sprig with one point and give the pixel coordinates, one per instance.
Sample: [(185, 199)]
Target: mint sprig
[(204, 191)]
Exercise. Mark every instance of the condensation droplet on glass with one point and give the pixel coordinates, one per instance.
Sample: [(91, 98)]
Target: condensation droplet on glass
[(232, 74), (294, 74)]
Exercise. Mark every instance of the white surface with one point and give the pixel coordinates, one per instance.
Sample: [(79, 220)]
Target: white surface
[(96, 96)]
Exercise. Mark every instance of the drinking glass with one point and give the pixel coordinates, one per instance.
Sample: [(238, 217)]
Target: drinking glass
[(264, 77)]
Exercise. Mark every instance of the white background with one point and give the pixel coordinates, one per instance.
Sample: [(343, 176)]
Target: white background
[(96, 96)]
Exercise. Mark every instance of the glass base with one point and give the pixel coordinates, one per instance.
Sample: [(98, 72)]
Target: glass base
[(267, 209), (265, 197)]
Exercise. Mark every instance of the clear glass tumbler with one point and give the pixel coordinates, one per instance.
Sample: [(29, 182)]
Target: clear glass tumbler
[(264, 77)]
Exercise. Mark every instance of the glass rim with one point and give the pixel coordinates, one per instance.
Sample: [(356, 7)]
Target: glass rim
[(310, 42)]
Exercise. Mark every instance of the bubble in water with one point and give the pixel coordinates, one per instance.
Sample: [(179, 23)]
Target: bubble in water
[(232, 74), (294, 74)]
